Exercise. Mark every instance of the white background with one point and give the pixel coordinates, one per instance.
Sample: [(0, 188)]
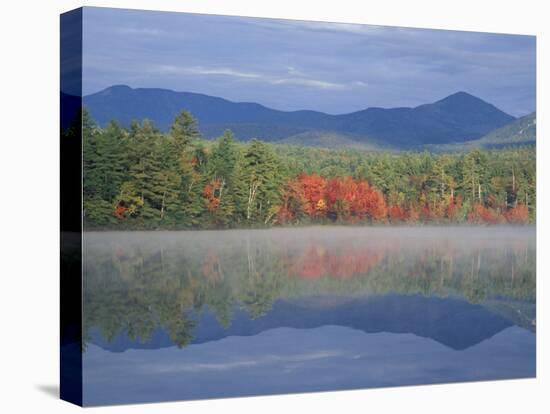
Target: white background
[(29, 208)]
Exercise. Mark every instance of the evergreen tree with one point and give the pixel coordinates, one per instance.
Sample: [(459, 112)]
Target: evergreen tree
[(262, 175), (184, 131)]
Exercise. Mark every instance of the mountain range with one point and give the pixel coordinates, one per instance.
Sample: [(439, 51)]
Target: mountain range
[(451, 321), (457, 118)]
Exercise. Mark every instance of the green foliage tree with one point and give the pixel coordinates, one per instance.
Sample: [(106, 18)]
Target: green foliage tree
[(262, 175)]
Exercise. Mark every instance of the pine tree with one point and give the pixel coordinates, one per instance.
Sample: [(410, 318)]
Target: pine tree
[(184, 130), (262, 175), (221, 174)]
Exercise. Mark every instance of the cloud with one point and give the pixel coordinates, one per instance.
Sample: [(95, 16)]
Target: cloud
[(200, 70), (141, 31), (313, 83), (335, 27), (292, 64), (267, 78), (244, 362)]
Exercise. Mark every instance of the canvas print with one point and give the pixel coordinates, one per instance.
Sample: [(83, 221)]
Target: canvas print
[(260, 206)]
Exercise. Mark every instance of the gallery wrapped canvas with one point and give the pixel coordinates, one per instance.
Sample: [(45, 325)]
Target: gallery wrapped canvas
[(259, 206)]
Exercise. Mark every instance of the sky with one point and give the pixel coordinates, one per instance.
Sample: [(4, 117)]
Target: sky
[(290, 65)]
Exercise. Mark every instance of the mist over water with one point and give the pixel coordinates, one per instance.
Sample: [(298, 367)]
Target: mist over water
[(233, 306), (459, 234)]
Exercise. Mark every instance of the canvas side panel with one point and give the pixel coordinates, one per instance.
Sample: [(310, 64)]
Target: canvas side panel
[(71, 207)]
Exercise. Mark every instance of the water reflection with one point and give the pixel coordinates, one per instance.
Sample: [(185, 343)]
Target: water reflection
[(457, 287)]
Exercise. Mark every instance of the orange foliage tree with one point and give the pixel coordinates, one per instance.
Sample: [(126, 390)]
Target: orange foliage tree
[(348, 199), (518, 214), (397, 214), (338, 198), (454, 205), (293, 203), (313, 189), (484, 215), (211, 193), (120, 210), (368, 202)]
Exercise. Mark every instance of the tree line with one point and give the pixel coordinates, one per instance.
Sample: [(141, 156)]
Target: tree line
[(141, 178)]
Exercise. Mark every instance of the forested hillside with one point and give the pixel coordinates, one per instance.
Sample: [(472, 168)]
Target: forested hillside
[(141, 178), (522, 131)]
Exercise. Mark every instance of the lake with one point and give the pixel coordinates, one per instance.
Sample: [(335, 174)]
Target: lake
[(209, 314)]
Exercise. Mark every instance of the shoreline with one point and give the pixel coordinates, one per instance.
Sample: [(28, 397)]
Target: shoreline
[(317, 226)]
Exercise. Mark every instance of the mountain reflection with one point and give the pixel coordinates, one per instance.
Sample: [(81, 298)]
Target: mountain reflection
[(181, 287)]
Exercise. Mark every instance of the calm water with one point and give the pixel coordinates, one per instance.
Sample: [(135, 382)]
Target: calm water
[(189, 315)]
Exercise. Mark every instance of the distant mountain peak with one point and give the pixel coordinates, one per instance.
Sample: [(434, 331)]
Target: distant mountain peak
[(462, 105), (115, 89), (461, 94), (120, 87), (462, 97)]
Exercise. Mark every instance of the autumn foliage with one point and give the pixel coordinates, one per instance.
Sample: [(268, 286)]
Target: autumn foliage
[(518, 214), (120, 211), (481, 214), (397, 214), (211, 193), (350, 200), (454, 205), (341, 198), (313, 191)]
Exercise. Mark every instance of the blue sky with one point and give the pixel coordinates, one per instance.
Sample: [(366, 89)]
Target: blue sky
[(291, 65)]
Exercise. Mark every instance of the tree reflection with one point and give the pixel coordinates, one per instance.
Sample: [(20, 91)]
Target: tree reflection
[(317, 261), (133, 285)]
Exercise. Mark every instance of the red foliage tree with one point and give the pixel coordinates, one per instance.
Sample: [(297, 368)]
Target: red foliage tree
[(426, 213), (349, 199), (313, 189), (120, 210), (338, 198), (397, 214), (518, 214), (293, 203), (209, 193), (484, 215), (368, 202), (339, 195), (454, 205)]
